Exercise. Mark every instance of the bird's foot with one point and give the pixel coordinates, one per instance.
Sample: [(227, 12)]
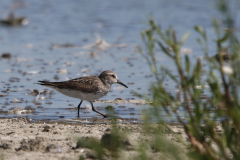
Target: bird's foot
[(104, 116)]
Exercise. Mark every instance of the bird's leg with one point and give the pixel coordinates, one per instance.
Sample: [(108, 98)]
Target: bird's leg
[(97, 111), (79, 107)]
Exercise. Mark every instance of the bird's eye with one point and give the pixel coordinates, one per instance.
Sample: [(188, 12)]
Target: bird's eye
[(113, 76)]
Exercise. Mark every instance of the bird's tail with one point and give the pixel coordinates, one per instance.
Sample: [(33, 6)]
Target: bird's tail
[(45, 83)]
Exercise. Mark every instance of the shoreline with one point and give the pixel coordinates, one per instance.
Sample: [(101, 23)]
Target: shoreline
[(22, 139)]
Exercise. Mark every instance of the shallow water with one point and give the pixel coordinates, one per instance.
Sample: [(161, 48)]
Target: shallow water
[(119, 23)]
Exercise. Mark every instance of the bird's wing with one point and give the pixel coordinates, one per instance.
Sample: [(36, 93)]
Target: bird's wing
[(83, 84)]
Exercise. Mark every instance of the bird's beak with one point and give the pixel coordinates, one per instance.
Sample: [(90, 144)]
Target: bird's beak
[(119, 82)]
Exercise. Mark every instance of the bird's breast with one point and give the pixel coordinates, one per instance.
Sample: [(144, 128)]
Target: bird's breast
[(83, 95)]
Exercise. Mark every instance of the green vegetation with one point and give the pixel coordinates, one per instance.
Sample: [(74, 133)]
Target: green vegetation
[(211, 140), (2, 156), (213, 121)]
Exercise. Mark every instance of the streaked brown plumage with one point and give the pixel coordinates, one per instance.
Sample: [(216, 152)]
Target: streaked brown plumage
[(86, 88)]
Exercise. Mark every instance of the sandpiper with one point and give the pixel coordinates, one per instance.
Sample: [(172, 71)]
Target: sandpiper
[(86, 88)]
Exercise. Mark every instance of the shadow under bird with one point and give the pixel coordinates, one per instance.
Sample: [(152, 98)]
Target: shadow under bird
[(86, 88)]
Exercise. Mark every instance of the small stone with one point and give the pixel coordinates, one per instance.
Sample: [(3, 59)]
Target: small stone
[(30, 145), (119, 99), (34, 92), (10, 133), (3, 95), (5, 146), (56, 77), (29, 109), (54, 148), (46, 129), (6, 55), (64, 71), (121, 106)]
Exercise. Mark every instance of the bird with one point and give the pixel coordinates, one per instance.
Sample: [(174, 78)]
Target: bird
[(87, 88)]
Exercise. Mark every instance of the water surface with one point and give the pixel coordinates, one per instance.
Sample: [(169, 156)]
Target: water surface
[(78, 23)]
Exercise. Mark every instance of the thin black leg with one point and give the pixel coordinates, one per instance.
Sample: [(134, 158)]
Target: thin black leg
[(79, 107), (97, 111)]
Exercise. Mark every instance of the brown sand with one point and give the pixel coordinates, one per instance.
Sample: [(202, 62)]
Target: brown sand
[(21, 139)]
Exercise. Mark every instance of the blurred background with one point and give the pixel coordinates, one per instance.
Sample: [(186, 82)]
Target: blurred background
[(60, 40)]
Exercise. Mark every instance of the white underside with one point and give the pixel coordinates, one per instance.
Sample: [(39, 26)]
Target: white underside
[(81, 95)]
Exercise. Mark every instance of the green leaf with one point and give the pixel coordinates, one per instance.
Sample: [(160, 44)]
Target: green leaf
[(171, 76), (224, 38), (184, 37), (143, 34), (199, 29), (216, 27), (164, 49), (199, 41), (187, 64)]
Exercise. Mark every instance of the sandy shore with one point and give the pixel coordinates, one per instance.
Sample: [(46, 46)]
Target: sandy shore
[(21, 139)]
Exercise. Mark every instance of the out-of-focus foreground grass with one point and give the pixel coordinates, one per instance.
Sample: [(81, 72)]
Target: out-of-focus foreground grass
[(213, 122)]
